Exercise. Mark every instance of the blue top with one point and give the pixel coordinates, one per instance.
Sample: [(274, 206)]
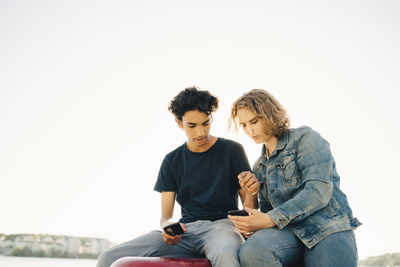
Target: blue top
[(205, 183), (300, 187)]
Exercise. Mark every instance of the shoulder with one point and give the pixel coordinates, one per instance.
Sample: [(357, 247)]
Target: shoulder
[(306, 136), (229, 146), (174, 154), (303, 132), (228, 143), (301, 129)]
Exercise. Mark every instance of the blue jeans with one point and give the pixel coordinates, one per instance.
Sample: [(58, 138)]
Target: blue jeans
[(219, 241), (274, 247)]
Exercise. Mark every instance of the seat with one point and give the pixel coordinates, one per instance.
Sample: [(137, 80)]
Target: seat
[(161, 261)]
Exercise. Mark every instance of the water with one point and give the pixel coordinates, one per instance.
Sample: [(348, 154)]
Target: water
[(44, 262)]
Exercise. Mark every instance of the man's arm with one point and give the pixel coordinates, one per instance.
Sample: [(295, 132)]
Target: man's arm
[(167, 211), (167, 208), (248, 200), (249, 189)]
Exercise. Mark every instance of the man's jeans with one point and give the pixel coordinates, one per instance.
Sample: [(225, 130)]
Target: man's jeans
[(219, 241), (274, 247)]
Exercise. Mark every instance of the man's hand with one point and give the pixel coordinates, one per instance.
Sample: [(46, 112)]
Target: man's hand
[(172, 240), (248, 182), (252, 223)]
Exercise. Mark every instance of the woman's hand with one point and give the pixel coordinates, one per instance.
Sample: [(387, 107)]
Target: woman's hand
[(170, 239), (248, 182), (252, 223)]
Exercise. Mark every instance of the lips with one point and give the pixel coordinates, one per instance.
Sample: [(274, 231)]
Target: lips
[(200, 140)]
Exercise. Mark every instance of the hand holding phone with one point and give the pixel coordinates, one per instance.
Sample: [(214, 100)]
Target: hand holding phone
[(174, 229)]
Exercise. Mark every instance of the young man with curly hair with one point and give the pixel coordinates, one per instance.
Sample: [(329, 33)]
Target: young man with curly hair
[(202, 175)]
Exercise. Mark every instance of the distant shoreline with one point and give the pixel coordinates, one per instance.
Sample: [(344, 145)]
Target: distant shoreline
[(52, 246)]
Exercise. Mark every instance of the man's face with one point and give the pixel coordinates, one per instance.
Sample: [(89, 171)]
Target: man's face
[(253, 125), (197, 126)]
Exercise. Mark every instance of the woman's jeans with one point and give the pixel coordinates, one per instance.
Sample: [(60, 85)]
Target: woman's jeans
[(219, 241), (274, 247)]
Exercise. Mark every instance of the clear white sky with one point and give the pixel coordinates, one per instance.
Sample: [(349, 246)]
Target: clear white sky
[(85, 85)]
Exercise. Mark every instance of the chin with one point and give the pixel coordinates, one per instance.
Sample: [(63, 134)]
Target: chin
[(258, 141)]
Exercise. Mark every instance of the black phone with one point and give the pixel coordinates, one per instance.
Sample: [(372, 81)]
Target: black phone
[(238, 213), (174, 229)]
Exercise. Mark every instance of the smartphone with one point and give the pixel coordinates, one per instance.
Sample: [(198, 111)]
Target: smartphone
[(238, 213), (174, 229)]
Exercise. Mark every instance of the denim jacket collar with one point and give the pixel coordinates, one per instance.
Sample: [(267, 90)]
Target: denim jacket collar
[(282, 142)]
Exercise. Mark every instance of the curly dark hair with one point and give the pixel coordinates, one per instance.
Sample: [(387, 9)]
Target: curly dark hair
[(192, 98)]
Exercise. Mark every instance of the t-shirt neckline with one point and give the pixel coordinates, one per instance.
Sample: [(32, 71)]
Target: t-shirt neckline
[(201, 153)]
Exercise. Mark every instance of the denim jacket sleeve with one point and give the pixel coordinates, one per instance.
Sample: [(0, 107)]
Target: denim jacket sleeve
[(315, 164)]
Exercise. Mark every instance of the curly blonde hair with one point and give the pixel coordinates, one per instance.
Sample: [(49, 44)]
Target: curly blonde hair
[(267, 107)]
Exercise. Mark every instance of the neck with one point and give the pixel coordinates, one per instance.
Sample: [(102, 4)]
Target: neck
[(195, 148), (270, 145)]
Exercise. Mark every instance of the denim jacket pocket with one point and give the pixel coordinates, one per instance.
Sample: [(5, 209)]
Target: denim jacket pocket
[(288, 170)]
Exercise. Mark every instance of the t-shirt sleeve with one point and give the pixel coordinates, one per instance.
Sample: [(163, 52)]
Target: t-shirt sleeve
[(240, 162), (165, 180)]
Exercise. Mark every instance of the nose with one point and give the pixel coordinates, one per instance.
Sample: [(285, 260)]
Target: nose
[(200, 131), (249, 131)]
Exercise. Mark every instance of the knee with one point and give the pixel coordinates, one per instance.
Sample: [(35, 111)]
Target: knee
[(105, 259), (224, 255), (247, 254), (227, 252), (250, 255)]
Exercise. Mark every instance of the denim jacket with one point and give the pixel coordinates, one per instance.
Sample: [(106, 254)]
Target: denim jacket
[(300, 187)]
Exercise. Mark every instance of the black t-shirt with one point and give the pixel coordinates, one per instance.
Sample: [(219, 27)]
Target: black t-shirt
[(205, 183)]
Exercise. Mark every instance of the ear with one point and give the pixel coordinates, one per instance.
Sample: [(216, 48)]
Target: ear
[(179, 122)]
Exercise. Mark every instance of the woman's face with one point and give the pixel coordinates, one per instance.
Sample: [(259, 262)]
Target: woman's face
[(253, 125)]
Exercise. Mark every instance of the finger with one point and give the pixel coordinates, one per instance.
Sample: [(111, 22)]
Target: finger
[(169, 237), (183, 227), (233, 220), (253, 189), (238, 219), (243, 231), (247, 176), (253, 185), (244, 177), (243, 186), (173, 240), (250, 183), (250, 210), (247, 235), (241, 175), (238, 227), (243, 228)]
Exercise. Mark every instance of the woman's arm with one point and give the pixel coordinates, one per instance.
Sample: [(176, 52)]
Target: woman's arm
[(316, 165)]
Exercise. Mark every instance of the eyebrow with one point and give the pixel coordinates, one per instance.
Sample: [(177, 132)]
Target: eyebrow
[(193, 123), (251, 120)]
